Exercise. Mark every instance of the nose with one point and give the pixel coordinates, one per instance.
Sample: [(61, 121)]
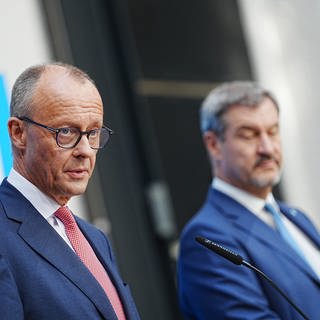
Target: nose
[(83, 148), (266, 144)]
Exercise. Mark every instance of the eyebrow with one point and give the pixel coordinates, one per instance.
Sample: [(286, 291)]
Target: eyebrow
[(71, 124), (254, 127)]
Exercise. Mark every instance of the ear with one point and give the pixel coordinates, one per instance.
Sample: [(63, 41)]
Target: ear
[(213, 144), (17, 132)]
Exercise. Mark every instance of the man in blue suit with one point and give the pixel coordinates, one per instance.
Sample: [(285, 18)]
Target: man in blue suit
[(51, 268), (240, 126)]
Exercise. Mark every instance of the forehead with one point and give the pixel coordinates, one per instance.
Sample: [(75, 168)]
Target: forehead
[(264, 114), (59, 93)]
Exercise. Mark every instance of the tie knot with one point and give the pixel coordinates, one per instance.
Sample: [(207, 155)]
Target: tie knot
[(270, 209), (65, 215)]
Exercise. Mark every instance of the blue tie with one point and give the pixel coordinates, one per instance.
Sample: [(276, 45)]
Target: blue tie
[(282, 228)]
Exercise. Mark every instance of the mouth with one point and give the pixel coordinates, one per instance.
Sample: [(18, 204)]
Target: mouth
[(78, 173), (267, 165)]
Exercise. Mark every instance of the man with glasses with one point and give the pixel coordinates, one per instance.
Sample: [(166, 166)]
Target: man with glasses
[(54, 265)]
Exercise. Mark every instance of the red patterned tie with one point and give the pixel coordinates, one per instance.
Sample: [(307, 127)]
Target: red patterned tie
[(88, 257)]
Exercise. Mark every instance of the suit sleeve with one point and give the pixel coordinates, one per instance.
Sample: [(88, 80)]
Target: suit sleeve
[(210, 287), (10, 305)]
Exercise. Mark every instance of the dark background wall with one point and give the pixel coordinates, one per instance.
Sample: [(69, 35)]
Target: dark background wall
[(187, 47), (153, 62)]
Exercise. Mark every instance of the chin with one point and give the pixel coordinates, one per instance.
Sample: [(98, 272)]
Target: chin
[(265, 182), (76, 190)]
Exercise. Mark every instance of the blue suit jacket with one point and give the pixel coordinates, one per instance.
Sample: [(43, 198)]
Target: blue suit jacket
[(41, 277), (211, 287)]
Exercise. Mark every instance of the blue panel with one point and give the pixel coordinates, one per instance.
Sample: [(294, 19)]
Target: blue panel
[(4, 136)]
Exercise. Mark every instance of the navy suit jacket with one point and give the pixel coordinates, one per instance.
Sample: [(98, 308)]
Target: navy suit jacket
[(40, 275), (211, 287)]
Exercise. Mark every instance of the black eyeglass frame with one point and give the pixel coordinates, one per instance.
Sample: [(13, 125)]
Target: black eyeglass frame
[(81, 133)]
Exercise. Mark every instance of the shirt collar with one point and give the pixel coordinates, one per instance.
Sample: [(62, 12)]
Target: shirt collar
[(251, 202), (44, 204)]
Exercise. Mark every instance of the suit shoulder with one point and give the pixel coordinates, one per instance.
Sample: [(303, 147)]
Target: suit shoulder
[(209, 219)]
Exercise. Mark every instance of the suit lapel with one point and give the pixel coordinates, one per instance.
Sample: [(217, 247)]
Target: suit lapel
[(100, 249), (256, 230), (298, 219), (261, 232), (40, 236)]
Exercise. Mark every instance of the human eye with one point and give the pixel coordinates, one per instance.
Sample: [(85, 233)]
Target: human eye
[(274, 131), (67, 132), (67, 136), (94, 133), (247, 134)]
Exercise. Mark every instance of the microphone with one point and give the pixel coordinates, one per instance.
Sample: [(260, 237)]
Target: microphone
[(238, 260)]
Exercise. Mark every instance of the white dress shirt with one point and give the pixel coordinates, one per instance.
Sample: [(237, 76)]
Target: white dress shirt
[(44, 204), (255, 205)]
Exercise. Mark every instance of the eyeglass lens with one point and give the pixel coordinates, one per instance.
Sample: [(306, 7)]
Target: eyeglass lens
[(69, 137)]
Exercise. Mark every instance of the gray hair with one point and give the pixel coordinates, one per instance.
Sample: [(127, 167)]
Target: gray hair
[(228, 94), (24, 87)]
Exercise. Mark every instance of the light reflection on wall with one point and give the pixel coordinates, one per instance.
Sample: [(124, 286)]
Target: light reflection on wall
[(282, 40)]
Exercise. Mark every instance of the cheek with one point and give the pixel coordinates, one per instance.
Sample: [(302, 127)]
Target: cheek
[(45, 161), (241, 157), (38, 149), (278, 149), (42, 164), (60, 160), (93, 162), (236, 153), (35, 156)]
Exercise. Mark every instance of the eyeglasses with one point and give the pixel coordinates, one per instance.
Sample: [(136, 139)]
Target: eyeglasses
[(68, 138)]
